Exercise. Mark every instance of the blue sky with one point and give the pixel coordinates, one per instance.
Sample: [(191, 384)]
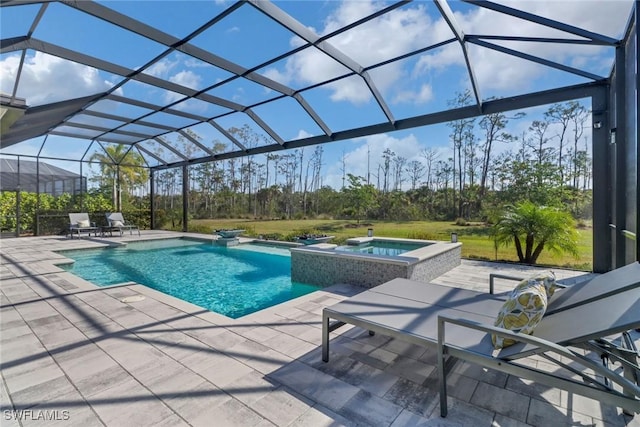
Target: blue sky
[(418, 85)]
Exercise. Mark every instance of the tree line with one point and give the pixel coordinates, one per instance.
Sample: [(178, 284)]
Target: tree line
[(486, 167)]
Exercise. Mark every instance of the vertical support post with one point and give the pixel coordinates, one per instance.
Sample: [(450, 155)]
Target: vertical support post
[(37, 196), (602, 246), (636, 13), (185, 197), (152, 202), (325, 337), (38, 185), (442, 375), (18, 202), (81, 190), (118, 189), (620, 190)]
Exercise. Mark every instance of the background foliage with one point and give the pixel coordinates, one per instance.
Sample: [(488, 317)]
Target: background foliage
[(485, 169)]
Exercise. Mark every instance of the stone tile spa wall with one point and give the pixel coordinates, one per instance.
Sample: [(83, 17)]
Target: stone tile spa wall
[(327, 267)]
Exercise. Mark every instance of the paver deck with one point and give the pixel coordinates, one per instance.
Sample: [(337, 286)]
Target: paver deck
[(75, 354)]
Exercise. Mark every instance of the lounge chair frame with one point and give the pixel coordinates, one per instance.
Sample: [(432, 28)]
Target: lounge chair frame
[(592, 386), (75, 218), (466, 311), (117, 216)]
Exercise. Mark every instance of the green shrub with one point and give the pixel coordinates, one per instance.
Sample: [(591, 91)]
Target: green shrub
[(461, 222)]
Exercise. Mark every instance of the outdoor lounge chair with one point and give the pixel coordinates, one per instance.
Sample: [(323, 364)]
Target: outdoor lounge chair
[(460, 323), (80, 223), (117, 222)]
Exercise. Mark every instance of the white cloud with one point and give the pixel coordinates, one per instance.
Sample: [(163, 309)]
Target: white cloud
[(498, 71), (46, 79), (397, 32), (412, 27), (187, 78), (583, 13), (422, 97), (192, 105), (238, 95), (161, 68), (352, 89), (303, 134), (277, 75), (184, 78), (196, 63)]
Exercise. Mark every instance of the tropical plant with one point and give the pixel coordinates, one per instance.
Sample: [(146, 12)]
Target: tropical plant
[(532, 228), (122, 169)]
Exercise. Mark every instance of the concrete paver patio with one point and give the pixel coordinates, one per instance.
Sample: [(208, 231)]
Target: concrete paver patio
[(85, 356)]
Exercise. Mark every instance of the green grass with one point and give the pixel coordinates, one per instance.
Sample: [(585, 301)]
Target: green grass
[(476, 243)]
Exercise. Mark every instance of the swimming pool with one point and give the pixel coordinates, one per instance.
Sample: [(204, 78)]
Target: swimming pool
[(377, 247), (233, 281)]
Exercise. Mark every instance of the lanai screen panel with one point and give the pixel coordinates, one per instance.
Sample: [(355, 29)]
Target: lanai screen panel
[(293, 72)]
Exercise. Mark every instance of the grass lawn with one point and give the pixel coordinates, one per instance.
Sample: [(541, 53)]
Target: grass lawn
[(476, 243)]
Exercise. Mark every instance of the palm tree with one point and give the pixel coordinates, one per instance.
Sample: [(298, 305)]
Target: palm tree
[(537, 228), (122, 169)]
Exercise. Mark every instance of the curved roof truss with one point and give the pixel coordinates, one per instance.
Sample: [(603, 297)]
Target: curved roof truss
[(157, 121)]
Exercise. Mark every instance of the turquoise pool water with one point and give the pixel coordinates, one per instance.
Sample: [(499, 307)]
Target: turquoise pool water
[(382, 248), (233, 281)]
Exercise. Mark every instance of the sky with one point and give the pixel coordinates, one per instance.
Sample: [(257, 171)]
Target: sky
[(420, 84)]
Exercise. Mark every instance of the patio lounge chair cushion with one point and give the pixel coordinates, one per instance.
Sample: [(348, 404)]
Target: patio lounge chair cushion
[(84, 223), (525, 307), (117, 224)]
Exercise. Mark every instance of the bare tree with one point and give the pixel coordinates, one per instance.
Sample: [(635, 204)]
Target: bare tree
[(270, 157), (415, 169), (538, 144), (343, 168), (493, 126), (398, 168), (430, 156), (300, 163), (316, 181), (368, 165), (387, 156), (460, 130), (562, 114), (578, 119)]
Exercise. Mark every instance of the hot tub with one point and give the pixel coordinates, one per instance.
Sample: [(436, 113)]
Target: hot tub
[(371, 261), (379, 247)]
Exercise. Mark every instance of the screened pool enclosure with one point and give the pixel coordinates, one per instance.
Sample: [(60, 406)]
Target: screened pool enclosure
[(257, 78)]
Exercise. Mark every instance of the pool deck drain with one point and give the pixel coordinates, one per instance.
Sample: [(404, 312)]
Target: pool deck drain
[(67, 345)]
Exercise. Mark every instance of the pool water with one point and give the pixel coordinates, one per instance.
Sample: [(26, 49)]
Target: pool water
[(382, 248), (233, 281)]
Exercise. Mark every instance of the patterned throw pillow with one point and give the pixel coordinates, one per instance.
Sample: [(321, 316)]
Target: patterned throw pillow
[(84, 223), (548, 278), (525, 307)]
